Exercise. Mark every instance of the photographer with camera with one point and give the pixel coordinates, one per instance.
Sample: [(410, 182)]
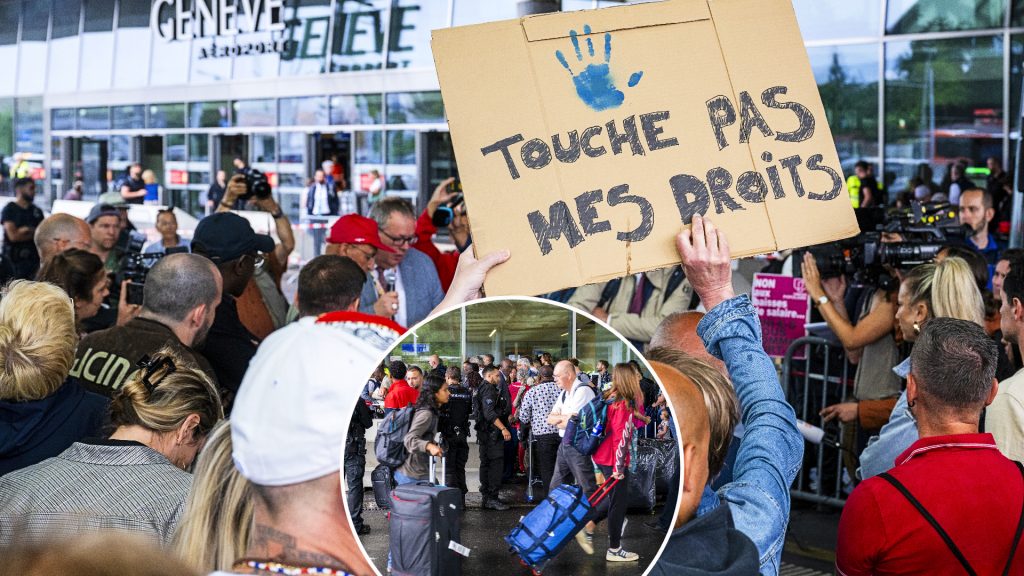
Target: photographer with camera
[(446, 209), (262, 307)]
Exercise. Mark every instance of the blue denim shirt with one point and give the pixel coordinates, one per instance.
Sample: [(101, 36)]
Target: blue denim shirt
[(772, 448), (896, 436)]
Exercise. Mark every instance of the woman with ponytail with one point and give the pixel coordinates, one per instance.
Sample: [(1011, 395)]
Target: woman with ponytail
[(137, 479), (42, 410)]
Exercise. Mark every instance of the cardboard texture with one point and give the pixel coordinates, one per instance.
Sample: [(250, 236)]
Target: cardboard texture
[(586, 140)]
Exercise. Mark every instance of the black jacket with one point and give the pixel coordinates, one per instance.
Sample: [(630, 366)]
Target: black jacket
[(706, 546)]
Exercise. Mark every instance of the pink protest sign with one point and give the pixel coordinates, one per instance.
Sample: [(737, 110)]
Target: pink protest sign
[(782, 306)]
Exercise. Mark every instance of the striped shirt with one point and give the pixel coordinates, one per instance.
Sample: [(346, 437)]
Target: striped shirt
[(107, 485)]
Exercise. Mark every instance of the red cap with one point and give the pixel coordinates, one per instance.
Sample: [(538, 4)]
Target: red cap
[(356, 229)]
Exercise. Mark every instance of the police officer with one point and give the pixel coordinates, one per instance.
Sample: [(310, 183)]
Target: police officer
[(454, 427), (355, 463), (493, 407)]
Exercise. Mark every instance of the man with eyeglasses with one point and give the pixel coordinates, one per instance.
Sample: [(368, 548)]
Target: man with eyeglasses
[(406, 271), (229, 241), (356, 237)]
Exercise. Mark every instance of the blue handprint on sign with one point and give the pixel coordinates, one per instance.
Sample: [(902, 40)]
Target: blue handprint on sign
[(594, 84)]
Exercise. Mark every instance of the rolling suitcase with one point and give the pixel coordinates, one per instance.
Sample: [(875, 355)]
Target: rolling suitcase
[(383, 483), (424, 529), (641, 494), (545, 531)]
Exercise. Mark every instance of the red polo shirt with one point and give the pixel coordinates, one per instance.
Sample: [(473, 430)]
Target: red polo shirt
[(974, 492), (400, 395)]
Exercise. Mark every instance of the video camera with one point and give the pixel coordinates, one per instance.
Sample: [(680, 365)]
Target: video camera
[(890, 239), (135, 266), (256, 185), (445, 213)]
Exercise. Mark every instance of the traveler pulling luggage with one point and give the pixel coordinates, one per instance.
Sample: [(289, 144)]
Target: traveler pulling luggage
[(545, 531), (424, 528)]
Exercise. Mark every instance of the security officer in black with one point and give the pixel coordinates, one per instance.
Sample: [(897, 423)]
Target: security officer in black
[(355, 463), (454, 427), (493, 407)]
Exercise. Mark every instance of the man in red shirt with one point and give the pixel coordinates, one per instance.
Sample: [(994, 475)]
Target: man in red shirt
[(970, 498), (401, 394)]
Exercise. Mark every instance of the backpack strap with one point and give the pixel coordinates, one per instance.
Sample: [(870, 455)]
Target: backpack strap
[(609, 292), (931, 520), (674, 281), (1020, 529)]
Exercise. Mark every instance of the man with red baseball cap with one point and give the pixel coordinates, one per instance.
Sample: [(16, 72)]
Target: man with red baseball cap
[(356, 237)]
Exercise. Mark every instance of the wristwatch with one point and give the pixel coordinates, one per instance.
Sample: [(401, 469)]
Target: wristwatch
[(820, 301), (277, 214)]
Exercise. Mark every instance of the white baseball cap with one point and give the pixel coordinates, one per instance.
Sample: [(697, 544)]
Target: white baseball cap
[(293, 408)]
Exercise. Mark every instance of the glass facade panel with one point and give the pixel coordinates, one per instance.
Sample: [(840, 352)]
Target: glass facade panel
[(358, 42), (368, 148), (847, 78), (64, 46), (910, 16), (129, 117), (356, 109), (166, 116), (259, 64), (593, 343), (401, 147), (825, 19), (170, 62), (944, 101), (411, 23), (134, 40), (264, 148), (120, 150), (304, 111), (514, 327), (94, 118), (9, 15), (441, 336), (255, 112), (32, 51), (415, 107), (28, 127), (475, 12), (63, 119), (308, 32), (175, 148), (207, 68), (208, 115), (6, 126), (97, 46), (1016, 65), (198, 148), (292, 160)]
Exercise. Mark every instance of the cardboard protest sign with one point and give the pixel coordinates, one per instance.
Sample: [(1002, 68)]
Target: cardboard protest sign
[(586, 140), (782, 307)]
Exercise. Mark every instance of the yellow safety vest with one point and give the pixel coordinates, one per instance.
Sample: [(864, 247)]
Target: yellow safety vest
[(853, 185)]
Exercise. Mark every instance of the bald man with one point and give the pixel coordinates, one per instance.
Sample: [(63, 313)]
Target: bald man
[(711, 543), (60, 232), (678, 331)]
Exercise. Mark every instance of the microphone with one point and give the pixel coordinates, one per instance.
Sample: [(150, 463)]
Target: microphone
[(390, 278)]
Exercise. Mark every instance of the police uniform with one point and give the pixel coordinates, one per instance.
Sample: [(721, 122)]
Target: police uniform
[(492, 403), (454, 427), (355, 462)]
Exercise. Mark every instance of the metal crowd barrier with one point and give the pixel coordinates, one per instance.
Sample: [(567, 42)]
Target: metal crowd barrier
[(810, 385)]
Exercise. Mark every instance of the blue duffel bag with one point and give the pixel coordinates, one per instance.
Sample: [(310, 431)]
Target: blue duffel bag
[(545, 531)]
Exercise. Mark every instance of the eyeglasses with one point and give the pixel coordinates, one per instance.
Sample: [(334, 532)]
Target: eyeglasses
[(155, 371), (399, 240), (366, 255)]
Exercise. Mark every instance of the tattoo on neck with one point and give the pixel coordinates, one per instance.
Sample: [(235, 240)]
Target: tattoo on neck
[(282, 547)]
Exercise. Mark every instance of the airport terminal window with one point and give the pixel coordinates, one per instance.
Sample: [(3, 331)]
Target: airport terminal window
[(310, 111), (97, 118), (166, 116), (910, 16), (359, 30), (32, 49), (368, 148), (826, 19), (28, 127), (401, 147), (595, 342), (97, 46), (441, 336), (1017, 16), (476, 12), (307, 29), (847, 78), (411, 23), (356, 109), (63, 118), (120, 149), (6, 126), (255, 112), (293, 148), (64, 46), (415, 107), (174, 145), (129, 117), (964, 79), (8, 41), (517, 327), (198, 148), (208, 115), (131, 69), (264, 148), (1016, 66)]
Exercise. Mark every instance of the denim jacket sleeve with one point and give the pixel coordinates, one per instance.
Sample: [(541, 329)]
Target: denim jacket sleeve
[(893, 439), (771, 450)]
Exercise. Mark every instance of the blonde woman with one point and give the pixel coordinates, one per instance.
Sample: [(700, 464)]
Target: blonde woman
[(214, 530), (43, 411), (135, 481)]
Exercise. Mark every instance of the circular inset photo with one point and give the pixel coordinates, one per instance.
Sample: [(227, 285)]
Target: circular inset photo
[(512, 436)]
